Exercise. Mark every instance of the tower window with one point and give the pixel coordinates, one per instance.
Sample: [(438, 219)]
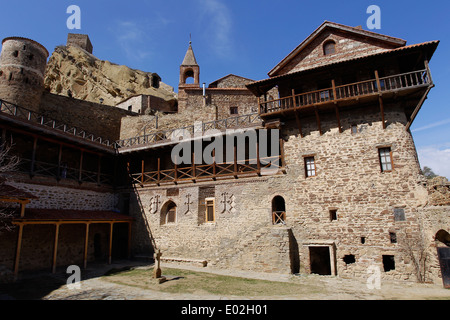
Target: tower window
[(393, 237), (385, 156), (210, 214), (329, 47), (310, 167), (15, 53)]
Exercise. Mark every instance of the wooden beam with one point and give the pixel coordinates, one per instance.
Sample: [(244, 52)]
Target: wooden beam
[(129, 240), (338, 118), (99, 169), (318, 120), (235, 161), (80, 172), (58, 177), (33, 157), (142, 172), (258, 160), (86, 246), (18, 249), (159, 171), (111, 228), (282, 163), (55, 247), (380, 99)]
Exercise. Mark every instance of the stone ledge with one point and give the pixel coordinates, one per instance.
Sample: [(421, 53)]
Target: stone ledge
[(196, 262)]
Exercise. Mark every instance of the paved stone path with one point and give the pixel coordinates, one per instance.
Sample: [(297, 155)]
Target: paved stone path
[(332, 288)]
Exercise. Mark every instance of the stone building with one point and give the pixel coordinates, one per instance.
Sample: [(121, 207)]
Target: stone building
[(315, 171)]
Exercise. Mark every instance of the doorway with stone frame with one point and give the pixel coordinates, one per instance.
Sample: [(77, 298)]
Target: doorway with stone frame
[(322, 258)]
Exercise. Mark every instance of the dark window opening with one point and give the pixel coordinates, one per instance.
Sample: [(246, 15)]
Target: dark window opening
[(363, 240), (278, 210), (130, 108), (329, 47), (333, 215), (169, 213), (393, 237), (15, 53), (30, 57), (234, 110), (210, 210), (349, 259), (388, 263)]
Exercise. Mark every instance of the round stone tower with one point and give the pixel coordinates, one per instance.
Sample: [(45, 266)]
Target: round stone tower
[(22, 67)]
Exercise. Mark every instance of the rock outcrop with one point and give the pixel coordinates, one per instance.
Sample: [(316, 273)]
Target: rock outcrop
[(74, 72)]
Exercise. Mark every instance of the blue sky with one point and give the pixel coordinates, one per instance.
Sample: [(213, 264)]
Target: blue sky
[(243, 37)]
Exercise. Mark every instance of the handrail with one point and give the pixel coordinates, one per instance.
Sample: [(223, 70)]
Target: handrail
[(357, 89), (29, 115), (170, 134)]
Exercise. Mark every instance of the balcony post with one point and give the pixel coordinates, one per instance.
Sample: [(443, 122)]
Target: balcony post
[(430, 79), (333, 84), (297, 118)]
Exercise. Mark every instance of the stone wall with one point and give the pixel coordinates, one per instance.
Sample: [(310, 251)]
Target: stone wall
[(100, 120), (349, 180), (64, 198), (348, 46)]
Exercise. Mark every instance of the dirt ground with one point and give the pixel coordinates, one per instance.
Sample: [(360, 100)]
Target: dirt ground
[(96, 286)]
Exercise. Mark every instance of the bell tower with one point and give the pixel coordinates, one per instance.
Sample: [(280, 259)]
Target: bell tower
[(189, 69)]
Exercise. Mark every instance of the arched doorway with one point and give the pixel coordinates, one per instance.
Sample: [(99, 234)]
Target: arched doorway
[(442, 238), (278, 210), (169, 213)]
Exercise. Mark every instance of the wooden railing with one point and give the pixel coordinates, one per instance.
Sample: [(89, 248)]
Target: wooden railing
[(378, 85), (39, 168), (28, 115), (278, 217), (194, 172), (172, 134)]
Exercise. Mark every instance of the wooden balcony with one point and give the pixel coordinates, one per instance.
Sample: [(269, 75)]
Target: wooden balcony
[(215, 171), (348, 93)]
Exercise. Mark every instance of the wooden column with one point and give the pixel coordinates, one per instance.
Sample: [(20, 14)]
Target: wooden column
[(58, 177), (235, 161), (258, 159), (99, 169), (129, 240), (297, 118), (175, 174), (214, 164), (80, 172), (380, 99), (110, 242), (55, 247), (33, 157), (282, 164), (333, 84), (193, 166), (86, 243), (159, 171), (142, 171), (318, 120), (18, 249)]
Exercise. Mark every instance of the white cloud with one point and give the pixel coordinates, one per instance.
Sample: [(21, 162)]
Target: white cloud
[(432, 125), (438, 159), (217, 23), (132, 39)]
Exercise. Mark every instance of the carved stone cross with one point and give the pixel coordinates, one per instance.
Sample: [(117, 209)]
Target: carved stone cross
[(157, 268)]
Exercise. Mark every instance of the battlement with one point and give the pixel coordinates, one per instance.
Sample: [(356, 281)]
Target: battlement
[(80, 40)]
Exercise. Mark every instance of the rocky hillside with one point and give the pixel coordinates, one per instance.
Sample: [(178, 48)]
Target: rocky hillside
[(71, 71)]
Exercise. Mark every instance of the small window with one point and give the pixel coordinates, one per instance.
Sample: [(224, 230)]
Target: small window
[(210, 210), (385, 156), (363, 240), (234, 110), (393, 237), (349, 259), (15, 53), (333, 215), (310, 167), (329, 48), (388, 263), (354, 129), (278, 210)]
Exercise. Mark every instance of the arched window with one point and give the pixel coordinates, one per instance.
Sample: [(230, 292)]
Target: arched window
[(189, 76), (443, 236), (329, 47), (169, 213), (278, 210)]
